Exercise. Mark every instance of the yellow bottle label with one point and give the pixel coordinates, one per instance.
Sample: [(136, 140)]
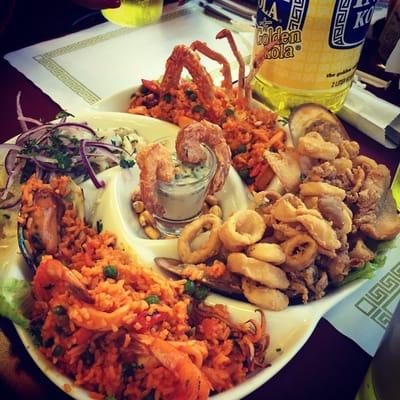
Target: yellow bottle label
[(319, 41)]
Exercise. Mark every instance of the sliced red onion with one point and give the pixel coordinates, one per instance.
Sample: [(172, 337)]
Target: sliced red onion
[(10, 160), (10, 180), (33, 133), (78, 125), (82, 151), (9, 203), (20, 115), (44, 159), (31, 120), (10, 146)]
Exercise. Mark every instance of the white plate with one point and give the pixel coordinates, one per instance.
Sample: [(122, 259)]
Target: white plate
[(289, 329)]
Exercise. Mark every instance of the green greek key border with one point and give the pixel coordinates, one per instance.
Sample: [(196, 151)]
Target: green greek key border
[(47, 59), (375, 303)]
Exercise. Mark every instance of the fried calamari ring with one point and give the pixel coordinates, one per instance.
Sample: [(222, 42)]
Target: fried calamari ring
[(264, 297), (259, 271), (268, 252), (242, 229), (300, 252), (188, 234)]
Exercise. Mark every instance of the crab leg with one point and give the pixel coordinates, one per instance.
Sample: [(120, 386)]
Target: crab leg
[(226, 33), (226, 69)]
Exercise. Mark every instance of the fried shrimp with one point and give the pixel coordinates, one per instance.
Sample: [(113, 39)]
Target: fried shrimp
[(218, 57), (225, 33), (184, 56), (189, 150), (155, 163)]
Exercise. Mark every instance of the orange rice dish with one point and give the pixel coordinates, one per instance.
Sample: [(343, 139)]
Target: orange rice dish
[(122, 331), (249, 131)]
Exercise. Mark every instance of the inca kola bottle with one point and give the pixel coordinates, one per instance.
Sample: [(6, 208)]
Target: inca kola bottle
[(318, 47)]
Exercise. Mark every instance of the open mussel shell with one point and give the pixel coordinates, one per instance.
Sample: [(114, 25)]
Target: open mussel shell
[(42, 234), (314, 117), (228, 284)]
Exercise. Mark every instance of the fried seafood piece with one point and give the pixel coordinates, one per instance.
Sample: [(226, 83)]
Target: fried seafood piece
[(286, 167), (264, 297), (339, 266), (349, 149), (189, 149), (300, 252), (321, 189), (360, 254), (256, 270), (289, 207), (242, 229), (184, 56), (337, 212), (155, 163), (314, 146), (320, 230), (207, 249), (268, 252), (377, 215)]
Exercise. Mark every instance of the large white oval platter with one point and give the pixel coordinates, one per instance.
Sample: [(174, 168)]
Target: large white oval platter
[(288, 329)]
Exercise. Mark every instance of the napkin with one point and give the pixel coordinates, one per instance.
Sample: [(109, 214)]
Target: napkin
[(371, 115), (364, 316)]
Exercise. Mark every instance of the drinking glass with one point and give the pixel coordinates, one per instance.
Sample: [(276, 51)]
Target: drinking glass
[(134, 13)]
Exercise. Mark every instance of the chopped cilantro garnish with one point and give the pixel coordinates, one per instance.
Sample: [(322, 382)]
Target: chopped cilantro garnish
[(126, 163), (64, 114)]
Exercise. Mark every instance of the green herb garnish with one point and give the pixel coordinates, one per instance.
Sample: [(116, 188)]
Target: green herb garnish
[(126, 164), (109, 271), (189, 287), (152, 299), (63, 114)]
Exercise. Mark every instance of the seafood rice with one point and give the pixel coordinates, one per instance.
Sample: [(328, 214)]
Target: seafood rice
[(121, 330)]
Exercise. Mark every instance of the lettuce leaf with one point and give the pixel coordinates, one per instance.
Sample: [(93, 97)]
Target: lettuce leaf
[(15, 298), (369, 268)]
